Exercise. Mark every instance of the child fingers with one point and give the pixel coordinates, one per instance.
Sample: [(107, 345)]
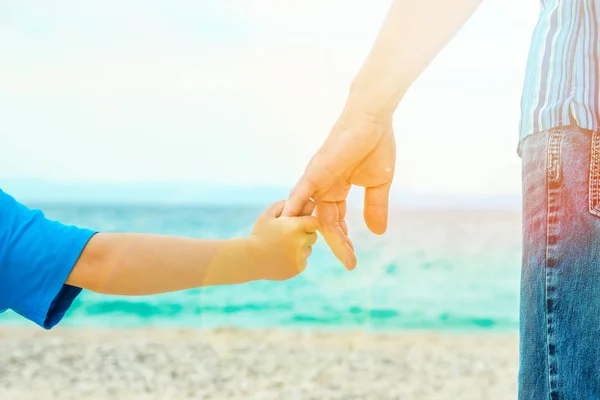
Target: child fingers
[(308, 224), (310, 239), (274, 210), (304, 254), (307, 252)]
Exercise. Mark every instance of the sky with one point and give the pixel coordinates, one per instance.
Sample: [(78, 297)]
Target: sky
[(244, 92)]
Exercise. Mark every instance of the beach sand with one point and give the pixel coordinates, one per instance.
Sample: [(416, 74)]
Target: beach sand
[(167, 363)]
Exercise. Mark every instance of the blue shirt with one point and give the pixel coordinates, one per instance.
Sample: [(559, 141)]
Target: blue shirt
[(561, 79), (36, 257)]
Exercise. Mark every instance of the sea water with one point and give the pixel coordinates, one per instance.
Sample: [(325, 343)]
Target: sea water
[(433, 269)]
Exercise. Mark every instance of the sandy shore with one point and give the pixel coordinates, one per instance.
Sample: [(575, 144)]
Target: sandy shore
[(241, 364)]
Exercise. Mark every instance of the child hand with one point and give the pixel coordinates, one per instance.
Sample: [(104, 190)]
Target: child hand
[(282, 245)]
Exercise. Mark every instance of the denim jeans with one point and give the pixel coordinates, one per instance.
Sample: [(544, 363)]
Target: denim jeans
[(560, 282)]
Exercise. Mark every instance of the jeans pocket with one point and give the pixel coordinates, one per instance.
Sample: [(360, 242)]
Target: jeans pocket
[(594, 184)]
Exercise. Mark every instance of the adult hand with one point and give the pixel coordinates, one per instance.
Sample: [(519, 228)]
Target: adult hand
[(360, 150)]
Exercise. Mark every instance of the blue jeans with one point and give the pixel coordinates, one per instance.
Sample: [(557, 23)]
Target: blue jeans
[(560, 282)]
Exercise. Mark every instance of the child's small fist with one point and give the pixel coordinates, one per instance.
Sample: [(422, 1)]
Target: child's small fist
[(281, 245)]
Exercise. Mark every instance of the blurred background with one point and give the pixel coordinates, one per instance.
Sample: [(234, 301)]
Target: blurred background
[(187, 119)]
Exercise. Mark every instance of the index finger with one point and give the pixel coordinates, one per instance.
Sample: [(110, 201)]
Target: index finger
[(298, 197), (318, 176), (308, 208)]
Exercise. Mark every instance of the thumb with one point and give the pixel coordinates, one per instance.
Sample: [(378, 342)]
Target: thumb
[(376, 207), (274, 210), (308, 223)]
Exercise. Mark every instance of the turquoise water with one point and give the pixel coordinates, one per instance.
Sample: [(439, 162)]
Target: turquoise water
[(442, 270)]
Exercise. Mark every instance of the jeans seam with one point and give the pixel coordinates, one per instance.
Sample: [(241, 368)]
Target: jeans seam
[(552, 186), (554, 139), (593, 186)]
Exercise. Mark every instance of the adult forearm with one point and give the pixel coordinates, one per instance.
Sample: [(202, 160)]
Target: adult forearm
[(413, 33), (137, 264)]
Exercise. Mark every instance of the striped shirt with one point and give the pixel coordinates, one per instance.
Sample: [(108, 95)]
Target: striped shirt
[(561, 79)]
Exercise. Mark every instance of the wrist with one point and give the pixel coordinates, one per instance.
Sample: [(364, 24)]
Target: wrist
[(232, 264), (254, 252), (365, 116), (371, 103)]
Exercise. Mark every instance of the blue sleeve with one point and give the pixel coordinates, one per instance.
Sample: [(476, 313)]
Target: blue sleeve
[(36, 258)]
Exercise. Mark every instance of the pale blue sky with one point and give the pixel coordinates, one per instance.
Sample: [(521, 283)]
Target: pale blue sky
[(243, 92)]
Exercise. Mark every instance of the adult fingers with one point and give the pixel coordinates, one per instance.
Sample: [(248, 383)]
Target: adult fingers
[(328, 216), (321, 172), (342, 222), (298, 197), (309, 207)]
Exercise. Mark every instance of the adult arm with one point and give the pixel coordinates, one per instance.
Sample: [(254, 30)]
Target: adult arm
[(360, 149)]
